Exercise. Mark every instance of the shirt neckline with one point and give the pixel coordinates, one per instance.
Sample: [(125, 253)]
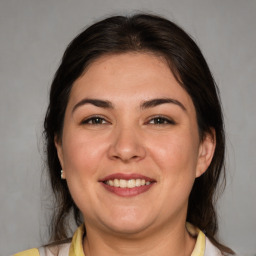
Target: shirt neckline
[(76, 247)]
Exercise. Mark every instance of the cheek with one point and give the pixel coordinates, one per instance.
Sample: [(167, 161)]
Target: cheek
[(175, 153), (81, 153), (176, 158), (82, 161), (176, 161)]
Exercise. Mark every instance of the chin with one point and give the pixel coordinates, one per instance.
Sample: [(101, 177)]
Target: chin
[(127, 229), (129, 224)]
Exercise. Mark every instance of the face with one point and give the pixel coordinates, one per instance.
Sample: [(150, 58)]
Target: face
[(130, 148)]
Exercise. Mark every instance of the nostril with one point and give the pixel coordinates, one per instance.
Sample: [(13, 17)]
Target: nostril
[(126, 156), (126, 146)]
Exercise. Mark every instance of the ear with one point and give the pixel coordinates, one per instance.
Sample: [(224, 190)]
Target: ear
[(206, 152), (58, 145)]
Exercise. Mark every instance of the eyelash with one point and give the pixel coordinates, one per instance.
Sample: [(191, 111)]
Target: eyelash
[(161, 120), (91, 120), (158, 120)]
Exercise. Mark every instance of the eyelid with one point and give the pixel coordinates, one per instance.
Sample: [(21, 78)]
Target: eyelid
[(89, 118), (169, 120)]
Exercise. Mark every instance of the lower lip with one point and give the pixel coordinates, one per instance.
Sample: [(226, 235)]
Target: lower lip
[(127, 192)]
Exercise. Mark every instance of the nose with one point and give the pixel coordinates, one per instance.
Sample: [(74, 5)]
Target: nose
[(126, 145)]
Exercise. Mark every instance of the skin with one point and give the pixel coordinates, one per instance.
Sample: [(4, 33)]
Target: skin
[(129, 139)]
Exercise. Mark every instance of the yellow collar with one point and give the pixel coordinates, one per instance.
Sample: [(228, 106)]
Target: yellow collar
[(199, 248), (76, 247)]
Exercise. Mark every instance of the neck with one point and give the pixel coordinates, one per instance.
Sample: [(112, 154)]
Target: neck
[(162, 241)]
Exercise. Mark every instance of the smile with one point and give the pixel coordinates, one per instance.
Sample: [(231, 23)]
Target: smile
[(132, 183), (127, 185)]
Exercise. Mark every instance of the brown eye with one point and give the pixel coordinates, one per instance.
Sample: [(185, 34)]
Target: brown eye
[(160, 120), (94, 121)]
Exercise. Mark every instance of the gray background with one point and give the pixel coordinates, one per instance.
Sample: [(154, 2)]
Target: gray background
[(33, 36)]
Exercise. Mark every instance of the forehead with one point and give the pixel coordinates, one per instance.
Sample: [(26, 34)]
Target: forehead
[(130, 75)]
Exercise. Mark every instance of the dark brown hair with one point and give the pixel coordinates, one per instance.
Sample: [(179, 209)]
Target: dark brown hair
[(140, 33)]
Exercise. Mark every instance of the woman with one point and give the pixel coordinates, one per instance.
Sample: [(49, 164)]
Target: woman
[(135, 143)]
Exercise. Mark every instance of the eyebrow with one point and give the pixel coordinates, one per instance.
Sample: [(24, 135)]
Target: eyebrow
[(145, 105), (95, 102), (155, 102)]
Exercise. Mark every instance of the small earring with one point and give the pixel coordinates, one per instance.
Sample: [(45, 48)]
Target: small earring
[(62, 175)]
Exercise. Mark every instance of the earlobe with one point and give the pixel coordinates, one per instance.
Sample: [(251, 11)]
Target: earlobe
[(206, 152), (62, 175)]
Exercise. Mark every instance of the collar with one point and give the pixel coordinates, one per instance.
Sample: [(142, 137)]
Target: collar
[(199, 248), (76, 247)]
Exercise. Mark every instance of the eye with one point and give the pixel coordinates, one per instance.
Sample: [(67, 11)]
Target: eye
[(94, 120), (159, 120)]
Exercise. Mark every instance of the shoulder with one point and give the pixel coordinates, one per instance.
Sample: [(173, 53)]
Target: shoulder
[(31, 252), (60, 250), (210, 249)]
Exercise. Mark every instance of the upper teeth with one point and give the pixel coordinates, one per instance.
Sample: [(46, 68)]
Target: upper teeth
[(127, 183)]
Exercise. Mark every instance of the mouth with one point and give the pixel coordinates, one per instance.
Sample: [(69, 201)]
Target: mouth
[(132, 183), (127, 185)]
